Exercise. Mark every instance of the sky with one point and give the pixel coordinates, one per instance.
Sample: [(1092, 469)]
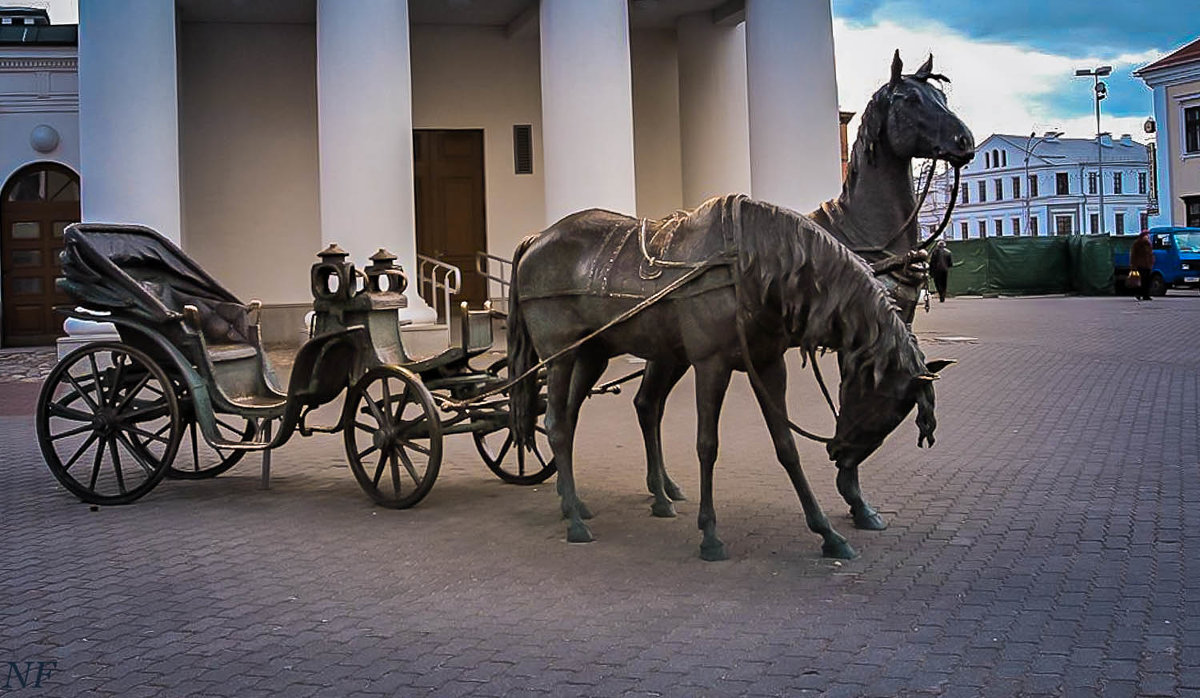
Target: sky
[(1011, 62)]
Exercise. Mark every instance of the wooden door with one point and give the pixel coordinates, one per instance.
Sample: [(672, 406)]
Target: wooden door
[(448, 185), (38, 203)]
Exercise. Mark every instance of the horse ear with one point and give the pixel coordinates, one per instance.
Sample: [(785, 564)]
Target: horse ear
[(897, 66), (926, 69), (936, 365)]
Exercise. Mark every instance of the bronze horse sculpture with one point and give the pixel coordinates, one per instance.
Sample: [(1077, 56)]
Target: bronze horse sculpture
[(770, 273), (875, 217)]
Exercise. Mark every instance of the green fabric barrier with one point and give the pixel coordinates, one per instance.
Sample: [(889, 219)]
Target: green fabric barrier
[(968, 276), (1032, 265), (1028, 265)]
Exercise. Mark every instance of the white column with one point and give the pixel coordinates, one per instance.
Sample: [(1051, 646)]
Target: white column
[(128, 114), (364, 128), (587, 107), (714, 124), (794, 155), (1166, 202)]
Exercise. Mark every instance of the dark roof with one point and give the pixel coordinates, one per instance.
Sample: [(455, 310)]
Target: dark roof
[(1187, 54), (53, 35)]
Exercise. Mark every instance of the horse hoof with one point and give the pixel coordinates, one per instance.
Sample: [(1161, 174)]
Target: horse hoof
[(869, 521), (839, 550), (579, 533), (663, 510), (675, 493), (714, 552)]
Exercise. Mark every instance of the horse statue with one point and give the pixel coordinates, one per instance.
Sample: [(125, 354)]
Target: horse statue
[(737, 282), (875, 216)]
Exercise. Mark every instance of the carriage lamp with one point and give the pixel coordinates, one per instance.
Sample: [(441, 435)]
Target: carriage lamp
[(333, 276), (383, 266)]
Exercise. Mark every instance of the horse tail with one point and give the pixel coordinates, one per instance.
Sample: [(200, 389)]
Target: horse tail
[(522, 395)]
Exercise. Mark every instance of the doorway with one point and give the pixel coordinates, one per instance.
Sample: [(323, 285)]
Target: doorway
[(450, 203), (36, 205)]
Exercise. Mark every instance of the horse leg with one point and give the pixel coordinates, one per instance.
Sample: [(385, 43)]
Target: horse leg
[(865, 517), (772, 396), (561, 432), (650, 401), (588, 369), (712, 380)]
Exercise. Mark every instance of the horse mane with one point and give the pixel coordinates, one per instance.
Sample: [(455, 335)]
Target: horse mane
[(873, 122), (827, 296)]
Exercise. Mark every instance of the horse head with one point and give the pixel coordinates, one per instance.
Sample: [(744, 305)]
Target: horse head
[(872, 406), (909, 116)]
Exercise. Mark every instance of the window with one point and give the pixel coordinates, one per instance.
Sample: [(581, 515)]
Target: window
[(1191, 211), (1141, 182), (1117, 188), (1191, 129), (982, 229), (1091, 182), (1033, 226), (1094, 221), (982, 191), (1004, 158), (1119, 223), (999, 189), (962, 227), (966, 193), (1062, 225), (1016, 226), (1062, 185), (999, 227), (1033, 190), (987, 161), (1016, 186)]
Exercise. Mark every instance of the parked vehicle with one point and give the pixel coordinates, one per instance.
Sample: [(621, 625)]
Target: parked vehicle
[(1176, 259)]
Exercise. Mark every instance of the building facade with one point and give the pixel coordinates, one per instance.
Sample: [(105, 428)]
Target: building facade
[(1175, 80), (1045, 185), (255, 134)]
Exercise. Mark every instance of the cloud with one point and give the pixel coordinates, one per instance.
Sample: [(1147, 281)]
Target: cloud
[(997, 87)]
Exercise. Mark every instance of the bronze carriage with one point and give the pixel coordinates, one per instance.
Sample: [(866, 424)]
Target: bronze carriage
[(188, 390)]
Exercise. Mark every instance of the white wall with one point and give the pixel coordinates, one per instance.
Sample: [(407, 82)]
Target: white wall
[(657, 160), (46, 93), (477, 78), (249, 166)]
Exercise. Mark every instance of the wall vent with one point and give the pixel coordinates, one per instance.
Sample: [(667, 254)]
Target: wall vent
[(523, 148)]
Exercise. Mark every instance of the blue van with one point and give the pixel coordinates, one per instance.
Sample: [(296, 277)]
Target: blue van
[(1176, 260)]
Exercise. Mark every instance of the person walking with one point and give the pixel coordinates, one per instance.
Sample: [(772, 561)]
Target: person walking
[(939, 264), (1141, 259)]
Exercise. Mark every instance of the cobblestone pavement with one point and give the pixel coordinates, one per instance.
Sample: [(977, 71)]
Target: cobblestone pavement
[(1047, 545)]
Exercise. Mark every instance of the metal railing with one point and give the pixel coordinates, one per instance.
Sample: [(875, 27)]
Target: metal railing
[(436, 282), (498, 272)]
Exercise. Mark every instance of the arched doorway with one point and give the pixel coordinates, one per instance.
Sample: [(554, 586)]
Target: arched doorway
[(36, 204)]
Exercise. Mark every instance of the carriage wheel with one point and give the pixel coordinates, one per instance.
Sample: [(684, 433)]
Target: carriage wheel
[(108, 423), (527, 465), (198, 460), (393, 436)]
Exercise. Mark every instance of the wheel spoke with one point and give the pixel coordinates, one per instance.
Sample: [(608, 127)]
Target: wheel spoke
[(374, 409), (416, 446), (396, 473), (136, 415), (116, 383), (195, 448), (96, 464), (116, 463), (521, 462), (82, 393), (365, 427), (142, 382), (228, 426), (60, 410), (71, 432), (401, 403), (369, 450), (387, 399), (379, 470), (408, 465), (538, 453), (79, 452), (96, 380), (147, 435), (508, 442), (137, 457)]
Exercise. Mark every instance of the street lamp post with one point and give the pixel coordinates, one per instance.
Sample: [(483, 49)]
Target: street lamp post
[(1100, 91), (1030, 145)]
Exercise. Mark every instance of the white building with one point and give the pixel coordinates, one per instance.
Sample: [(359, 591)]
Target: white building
[(1175, 80), (1046, 185), (256, 133)]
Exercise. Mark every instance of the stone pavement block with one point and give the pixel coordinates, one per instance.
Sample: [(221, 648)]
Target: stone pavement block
[(1041, 547)]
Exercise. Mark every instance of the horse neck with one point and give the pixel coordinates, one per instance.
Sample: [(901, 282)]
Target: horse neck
[(878, 196)]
